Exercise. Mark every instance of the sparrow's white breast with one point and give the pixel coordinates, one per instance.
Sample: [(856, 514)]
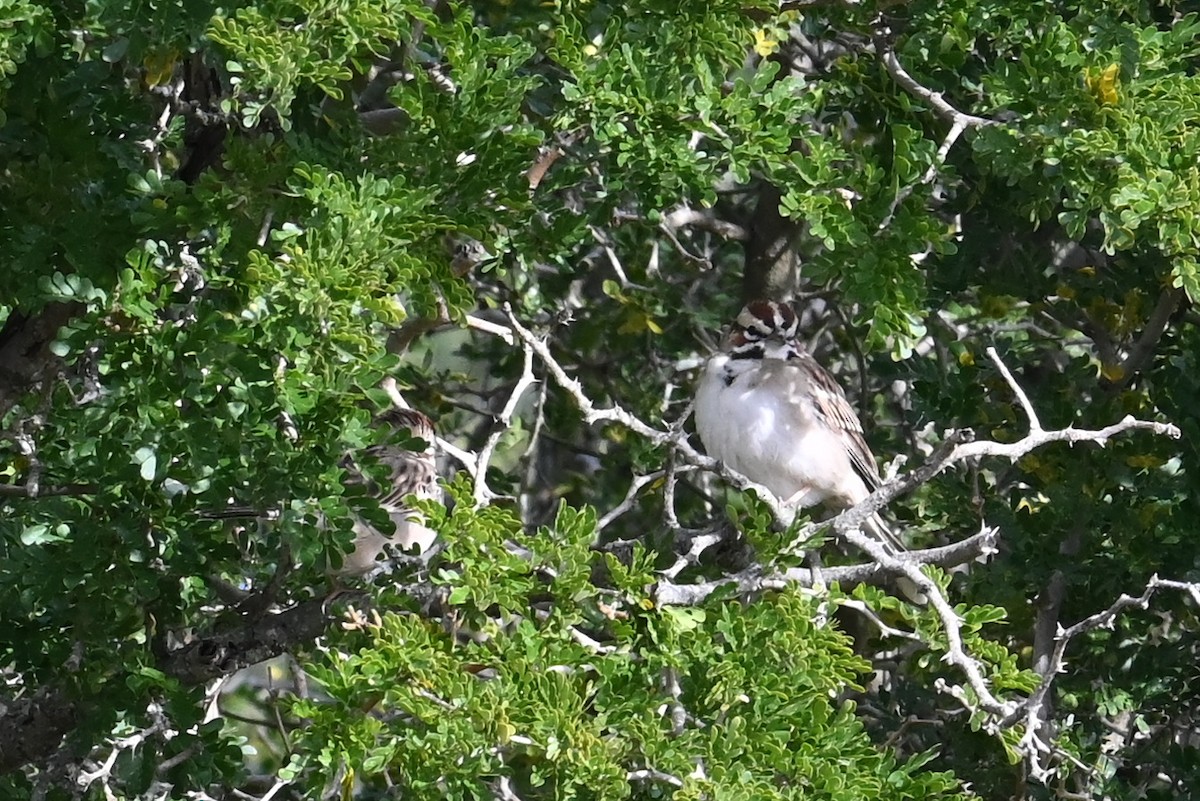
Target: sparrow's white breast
[(761, 425)]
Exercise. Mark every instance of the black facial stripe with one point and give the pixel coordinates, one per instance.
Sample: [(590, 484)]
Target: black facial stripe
[(785, 320), (759, 329), (751, 350), (764, 318)]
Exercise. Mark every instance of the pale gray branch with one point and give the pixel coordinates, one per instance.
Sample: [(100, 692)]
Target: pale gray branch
[(650, 774), (635, 486), (943, 152), (668, 593), (935, 100), (1033, 706), (1034, 423), (685, 217), (483, 495)]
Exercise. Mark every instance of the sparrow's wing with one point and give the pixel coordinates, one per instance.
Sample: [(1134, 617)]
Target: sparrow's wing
[(409, 473), (832, 409), (835, 412)]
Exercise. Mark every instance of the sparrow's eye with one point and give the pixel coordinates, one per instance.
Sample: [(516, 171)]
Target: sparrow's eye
[(758, 330)]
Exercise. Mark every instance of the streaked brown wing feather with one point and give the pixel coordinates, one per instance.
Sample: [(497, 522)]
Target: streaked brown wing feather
[(831, 404), (408, 471)]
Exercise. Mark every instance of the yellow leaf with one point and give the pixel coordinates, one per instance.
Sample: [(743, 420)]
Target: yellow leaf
[(638, 321), (1103, 84), (966, 358), (1108, 84), (1065, 292), (159, 66), (1145, 461), (764, 45), (997, 305), (1112, 372)]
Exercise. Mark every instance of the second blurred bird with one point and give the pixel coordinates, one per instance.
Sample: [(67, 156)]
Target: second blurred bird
[(407, 472)]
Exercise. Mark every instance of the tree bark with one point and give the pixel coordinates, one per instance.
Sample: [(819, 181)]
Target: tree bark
[(25, 357)]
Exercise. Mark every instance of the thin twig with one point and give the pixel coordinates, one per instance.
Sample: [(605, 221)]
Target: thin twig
[(1033, 705), (939, 159), (635, 486), (482, 494), (884, 629), (1035, 425), (650, 774)]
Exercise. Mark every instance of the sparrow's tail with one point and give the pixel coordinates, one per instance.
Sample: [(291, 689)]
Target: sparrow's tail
[(882, 532)]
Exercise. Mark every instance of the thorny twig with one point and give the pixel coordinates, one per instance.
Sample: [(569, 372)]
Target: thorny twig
[(755, 579), (951, 625), (1031, 744)]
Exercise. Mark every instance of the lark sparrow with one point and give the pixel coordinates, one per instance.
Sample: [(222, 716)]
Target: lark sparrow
[(409, 473), (766, 409)]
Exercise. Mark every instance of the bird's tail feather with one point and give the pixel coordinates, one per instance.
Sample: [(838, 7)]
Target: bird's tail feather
[(882, 532)]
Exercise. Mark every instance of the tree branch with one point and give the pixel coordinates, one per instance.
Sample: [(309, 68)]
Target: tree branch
[(483, 495), (1031, 744), (1034, 424), (935, 100), (1143, 350), (685, 217), (754, 579), (959, 122)]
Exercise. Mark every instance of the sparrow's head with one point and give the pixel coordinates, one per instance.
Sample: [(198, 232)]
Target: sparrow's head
[(761, 321), (409, 423)]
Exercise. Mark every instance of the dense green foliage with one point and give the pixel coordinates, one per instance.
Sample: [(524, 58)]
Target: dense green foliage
[(222, 226)]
